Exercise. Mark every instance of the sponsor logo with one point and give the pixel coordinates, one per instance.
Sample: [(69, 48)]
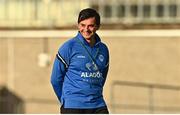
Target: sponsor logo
[(93, 71), (81, 56), (91, 74)]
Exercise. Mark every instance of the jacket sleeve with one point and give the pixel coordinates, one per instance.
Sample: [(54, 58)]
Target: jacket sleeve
[(106, 69), (59, 71)]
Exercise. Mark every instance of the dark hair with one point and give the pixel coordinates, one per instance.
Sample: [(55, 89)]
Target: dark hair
[(88, 13)]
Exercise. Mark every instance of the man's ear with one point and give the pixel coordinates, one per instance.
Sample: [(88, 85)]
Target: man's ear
[(98, 26), (77, 25)]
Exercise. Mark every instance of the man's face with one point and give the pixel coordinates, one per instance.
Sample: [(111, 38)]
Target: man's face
[(88, 28)]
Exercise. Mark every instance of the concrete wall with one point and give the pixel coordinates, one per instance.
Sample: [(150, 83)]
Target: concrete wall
[(143, 59)]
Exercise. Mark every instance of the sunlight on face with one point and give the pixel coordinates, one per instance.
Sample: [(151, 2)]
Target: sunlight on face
[(88, 28)]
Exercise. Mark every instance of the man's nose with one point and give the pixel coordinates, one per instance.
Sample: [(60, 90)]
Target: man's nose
[(86, 27)]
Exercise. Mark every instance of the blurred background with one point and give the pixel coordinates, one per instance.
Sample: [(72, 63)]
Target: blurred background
[(143, 37)]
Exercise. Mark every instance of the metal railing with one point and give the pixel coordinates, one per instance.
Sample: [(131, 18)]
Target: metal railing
[(152, 106)]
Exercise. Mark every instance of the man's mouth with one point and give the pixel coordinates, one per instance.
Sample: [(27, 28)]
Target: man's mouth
[(87, 33)]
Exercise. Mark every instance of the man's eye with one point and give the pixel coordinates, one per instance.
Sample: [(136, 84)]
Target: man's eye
[(89, 26), (83, 25), (92, 26)]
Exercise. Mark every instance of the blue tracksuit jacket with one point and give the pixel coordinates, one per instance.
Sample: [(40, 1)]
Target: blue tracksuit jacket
[(78, 75)]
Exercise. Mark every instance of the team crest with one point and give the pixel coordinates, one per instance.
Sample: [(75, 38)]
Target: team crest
[(101, 58)]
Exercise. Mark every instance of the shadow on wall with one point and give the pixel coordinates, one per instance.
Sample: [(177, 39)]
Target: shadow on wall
[(9, 102)]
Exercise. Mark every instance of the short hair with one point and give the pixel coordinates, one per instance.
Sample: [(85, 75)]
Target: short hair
[(88, 13)]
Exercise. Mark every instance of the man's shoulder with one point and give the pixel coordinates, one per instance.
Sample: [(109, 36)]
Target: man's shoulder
[(67, 44), (103, 45)]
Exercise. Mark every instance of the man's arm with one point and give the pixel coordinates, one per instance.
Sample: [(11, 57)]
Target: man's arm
[(106, 69), (59, 70), (57, 77)]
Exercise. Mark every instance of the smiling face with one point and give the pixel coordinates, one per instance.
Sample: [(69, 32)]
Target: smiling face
[(88, 28)]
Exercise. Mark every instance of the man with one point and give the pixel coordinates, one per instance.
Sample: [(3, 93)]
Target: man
[(81, 67)]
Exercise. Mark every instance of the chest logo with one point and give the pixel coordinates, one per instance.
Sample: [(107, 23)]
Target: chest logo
[(91, 66), (101, 58)]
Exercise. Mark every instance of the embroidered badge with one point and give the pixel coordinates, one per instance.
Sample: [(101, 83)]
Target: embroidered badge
[(101, 58)]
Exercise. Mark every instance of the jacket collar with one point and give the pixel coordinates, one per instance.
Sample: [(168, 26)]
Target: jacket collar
[(83, 40)]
